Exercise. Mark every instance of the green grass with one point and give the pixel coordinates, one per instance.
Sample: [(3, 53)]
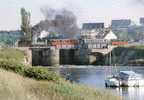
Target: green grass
[(11, 60), (22, 82), (138, 47), (12, 54), (38, 73), (16, 87)]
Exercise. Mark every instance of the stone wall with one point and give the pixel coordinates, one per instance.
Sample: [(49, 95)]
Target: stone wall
[(52, 57), (28, 55), (68, 56), (45, 57)]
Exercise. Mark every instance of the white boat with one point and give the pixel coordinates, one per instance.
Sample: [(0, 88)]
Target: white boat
[(125, 78), (112, 82)]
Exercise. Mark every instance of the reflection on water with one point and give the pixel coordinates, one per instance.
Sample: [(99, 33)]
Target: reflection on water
[(131, 93), (95, 77)]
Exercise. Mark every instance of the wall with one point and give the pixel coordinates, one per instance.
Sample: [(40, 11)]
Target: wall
[(52, 57), (49, 57), (68, 56), (45, 57), (28, 55)]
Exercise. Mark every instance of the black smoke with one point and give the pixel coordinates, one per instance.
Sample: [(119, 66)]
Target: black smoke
[(60, 21)]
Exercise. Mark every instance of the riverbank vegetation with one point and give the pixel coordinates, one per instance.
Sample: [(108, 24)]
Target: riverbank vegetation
[(16, 87), (12, 54), (22, 82), (131, 55)]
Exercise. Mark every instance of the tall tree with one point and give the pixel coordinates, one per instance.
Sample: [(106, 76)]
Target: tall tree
[(25, 23)]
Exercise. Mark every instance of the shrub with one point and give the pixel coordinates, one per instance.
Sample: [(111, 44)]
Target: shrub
[(11, 65), (41, 74), (38, 73)]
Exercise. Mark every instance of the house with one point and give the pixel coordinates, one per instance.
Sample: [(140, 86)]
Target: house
[(89, 34), (95, 36), (91, 30), (110, 36), (96, 39)]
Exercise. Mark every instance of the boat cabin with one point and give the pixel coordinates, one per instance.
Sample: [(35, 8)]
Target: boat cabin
[(129, 75)]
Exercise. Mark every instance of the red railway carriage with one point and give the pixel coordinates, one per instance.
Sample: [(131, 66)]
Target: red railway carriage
[(56, 42)]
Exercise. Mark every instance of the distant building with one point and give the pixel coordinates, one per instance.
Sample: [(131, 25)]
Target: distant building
[(9, 38), (122, 23), (91, 30), (91, 26), (97, 39), (97, 34), (89, 34), (142, 20), (110, 36), (94, 43), (120, 27)]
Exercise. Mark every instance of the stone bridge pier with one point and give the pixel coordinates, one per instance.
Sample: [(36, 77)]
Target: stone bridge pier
[(97, 56), (52, 57), (45, 56)]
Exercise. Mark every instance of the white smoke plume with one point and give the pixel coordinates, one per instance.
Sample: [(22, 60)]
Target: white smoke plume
[(43, 34)]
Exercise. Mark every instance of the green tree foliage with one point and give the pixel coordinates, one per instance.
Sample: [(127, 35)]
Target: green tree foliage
[(25, 26)]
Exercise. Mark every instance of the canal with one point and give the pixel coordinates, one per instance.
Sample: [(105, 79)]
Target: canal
[(94, 77)]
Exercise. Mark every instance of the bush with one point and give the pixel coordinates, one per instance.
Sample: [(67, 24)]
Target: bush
[(11, 65), (41, 74), (38, 73)]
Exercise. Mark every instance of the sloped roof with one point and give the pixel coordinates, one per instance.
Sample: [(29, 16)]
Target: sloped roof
[(110, 36)]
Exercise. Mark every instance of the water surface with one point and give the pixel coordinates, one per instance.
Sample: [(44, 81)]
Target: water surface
[(94, 77)]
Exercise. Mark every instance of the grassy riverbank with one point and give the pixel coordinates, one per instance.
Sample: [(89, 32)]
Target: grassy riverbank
[(132, 55), (21, 82), (12, 54), (16, 87)]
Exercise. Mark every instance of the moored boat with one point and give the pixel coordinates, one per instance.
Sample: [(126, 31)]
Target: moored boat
[(125, 78), (112, 82)]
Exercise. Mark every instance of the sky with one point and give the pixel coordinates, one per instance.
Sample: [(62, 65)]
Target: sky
[(85, 10)]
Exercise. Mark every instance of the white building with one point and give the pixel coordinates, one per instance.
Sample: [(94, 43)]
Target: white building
[(110, 36), (89, 34), (97, 39)]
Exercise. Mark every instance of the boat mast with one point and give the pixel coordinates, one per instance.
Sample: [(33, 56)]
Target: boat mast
[(110, 49), (110, 59)]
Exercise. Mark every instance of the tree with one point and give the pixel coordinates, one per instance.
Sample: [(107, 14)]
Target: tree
[(25, 23)]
